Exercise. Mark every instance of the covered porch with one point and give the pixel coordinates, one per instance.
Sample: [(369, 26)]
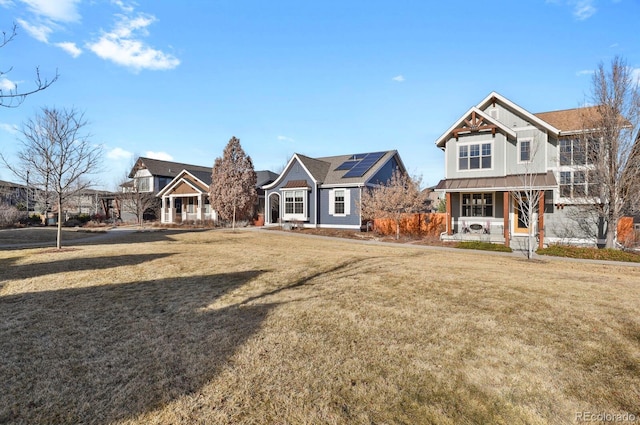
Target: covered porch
[(186, 199), (486, 209)]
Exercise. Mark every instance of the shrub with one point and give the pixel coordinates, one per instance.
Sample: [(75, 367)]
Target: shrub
[(484, 246), (590, 253), (10, 215)]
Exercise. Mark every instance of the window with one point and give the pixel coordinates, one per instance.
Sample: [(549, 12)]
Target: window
[(338, 200), (474, 156), (477, 204), (295, 204), (574, 151), (575, 184), (525, 151), (143, 184)]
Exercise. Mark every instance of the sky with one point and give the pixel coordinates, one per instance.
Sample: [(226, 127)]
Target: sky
[(176, 80)]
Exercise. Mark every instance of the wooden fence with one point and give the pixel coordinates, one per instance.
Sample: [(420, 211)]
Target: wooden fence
[(425, 224)]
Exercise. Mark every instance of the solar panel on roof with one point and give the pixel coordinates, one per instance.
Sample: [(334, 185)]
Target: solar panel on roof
[(364, 165), (347, 165)]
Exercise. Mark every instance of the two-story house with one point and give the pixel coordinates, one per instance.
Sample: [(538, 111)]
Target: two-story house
[(498, 148)]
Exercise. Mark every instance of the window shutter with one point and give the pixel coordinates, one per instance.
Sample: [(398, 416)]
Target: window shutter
[(347, 201), (332, 202)]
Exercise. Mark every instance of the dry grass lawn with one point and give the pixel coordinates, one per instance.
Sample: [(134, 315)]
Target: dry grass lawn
[(266, 327)]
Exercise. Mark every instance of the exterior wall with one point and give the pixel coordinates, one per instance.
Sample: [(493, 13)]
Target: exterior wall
[(297, 172), (498, 148), (352, 220), (539, 152), (571, 224), (385, 173)]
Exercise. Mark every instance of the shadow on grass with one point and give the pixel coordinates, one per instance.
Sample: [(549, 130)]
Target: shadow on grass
[(128, 236), (108, 353), (12, 271)]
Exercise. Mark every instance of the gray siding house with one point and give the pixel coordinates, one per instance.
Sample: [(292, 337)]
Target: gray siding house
[(324, 192), (497, 148)]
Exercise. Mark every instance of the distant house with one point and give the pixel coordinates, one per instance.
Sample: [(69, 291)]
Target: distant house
[(182, 188), (488, 151), (324, 192)]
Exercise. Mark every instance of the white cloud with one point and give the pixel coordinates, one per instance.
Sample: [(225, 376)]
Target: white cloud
[(584, 72), (285, 139), (125, 7), (123, 48), (583, 9), (635, 75), (40, 32), (6, 84), (70, 48), (398, 78), (9, 128), (163, 156), (119, 153), (58, 10)]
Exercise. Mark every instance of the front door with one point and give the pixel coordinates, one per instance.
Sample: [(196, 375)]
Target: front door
[(519, 219)]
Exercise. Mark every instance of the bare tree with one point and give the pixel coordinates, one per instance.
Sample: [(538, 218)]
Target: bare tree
[(57, 154), (610, 135), (233, 184), (528, 197), (13, 97), (399, 196), (134, 200)]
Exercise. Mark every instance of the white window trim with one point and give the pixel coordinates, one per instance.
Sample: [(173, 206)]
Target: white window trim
[(305, 205), (347, 202), (480, 143), (519, 152)]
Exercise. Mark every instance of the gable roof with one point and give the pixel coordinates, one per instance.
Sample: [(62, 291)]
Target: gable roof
[(532, 118), (474, 111), (171, 169), (325, 170), (189, 178)]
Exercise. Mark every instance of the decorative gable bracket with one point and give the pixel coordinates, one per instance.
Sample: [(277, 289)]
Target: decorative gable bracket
[(474, 125)]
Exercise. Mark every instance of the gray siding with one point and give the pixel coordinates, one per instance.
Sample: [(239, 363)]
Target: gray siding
[(498, 142), (297, 172), (353, 219), (385, 173)]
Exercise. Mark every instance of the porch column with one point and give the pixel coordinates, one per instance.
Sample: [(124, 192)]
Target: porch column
[(200, 207), (163, 210), (170, 214), (541, 220), (505, 211), (448, 206)]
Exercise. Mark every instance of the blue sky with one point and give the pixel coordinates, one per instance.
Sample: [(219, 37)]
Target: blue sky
[(176, 80)]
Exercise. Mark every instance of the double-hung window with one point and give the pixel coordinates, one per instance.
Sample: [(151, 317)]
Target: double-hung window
[(339, 202), (295, 204), (474, 156), (525, 151)]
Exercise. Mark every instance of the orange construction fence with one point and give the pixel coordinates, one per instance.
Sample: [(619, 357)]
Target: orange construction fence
[(425, 224)]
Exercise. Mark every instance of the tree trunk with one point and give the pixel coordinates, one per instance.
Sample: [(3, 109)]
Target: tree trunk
[(59, 232), (233, 225)]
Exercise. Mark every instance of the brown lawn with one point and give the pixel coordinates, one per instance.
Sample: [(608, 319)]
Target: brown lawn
[(269, 327)]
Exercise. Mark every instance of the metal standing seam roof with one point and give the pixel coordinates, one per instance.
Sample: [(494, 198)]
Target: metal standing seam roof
[(540, 181)]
